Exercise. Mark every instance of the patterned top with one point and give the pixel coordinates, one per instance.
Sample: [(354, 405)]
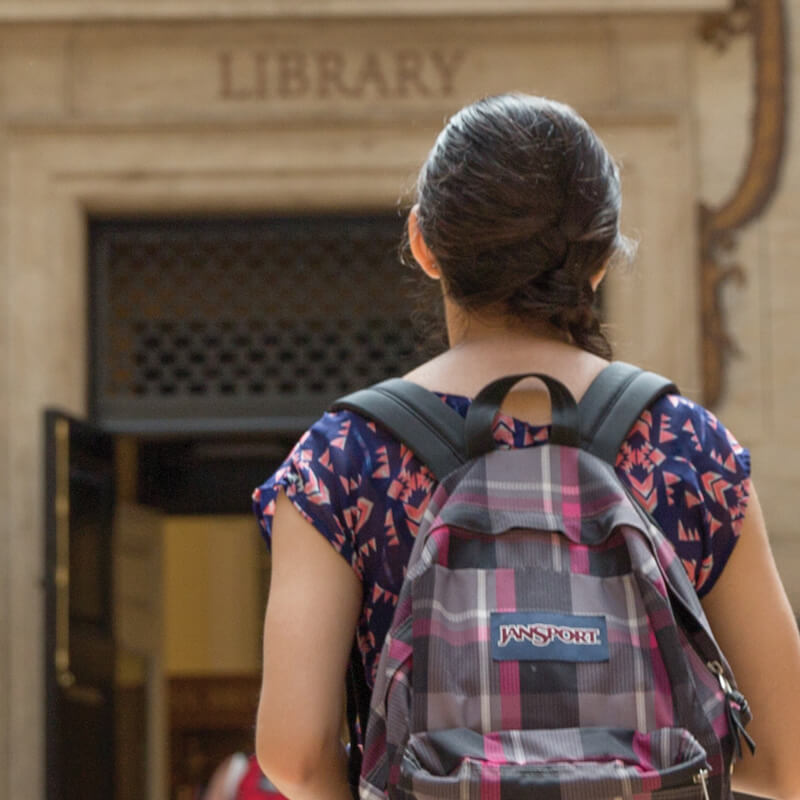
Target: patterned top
[(366, 493)]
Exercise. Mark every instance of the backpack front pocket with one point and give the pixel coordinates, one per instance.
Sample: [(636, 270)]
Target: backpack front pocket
[(579, 763)]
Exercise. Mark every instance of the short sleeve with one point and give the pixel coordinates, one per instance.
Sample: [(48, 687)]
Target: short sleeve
[(691, 474), (322, 476), (365, 493)]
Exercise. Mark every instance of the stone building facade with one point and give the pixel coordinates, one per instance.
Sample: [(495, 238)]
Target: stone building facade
[(143, 107)]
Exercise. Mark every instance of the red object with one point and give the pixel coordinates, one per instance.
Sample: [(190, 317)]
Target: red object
[(255, 786)]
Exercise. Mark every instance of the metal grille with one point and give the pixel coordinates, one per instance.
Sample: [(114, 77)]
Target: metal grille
[(248, 324)]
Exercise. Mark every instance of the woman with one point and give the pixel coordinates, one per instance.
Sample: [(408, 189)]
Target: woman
[(517, 217)]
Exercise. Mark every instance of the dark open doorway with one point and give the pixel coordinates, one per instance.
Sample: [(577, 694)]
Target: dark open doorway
[(118, 713), (213, 342)]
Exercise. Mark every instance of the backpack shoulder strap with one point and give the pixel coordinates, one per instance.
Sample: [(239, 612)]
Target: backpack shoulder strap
[(613, 403), (435, 432), (417, 417)]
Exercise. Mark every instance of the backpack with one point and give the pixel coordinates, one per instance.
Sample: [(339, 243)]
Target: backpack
[(547, 641)]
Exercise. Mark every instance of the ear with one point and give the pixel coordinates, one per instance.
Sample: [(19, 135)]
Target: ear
[(597, 278), (422, 255)]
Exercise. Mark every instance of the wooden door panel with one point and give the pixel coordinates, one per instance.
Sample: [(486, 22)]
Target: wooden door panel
[(80, 650)]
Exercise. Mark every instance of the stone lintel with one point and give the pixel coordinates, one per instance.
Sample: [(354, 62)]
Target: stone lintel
[(377, 72)]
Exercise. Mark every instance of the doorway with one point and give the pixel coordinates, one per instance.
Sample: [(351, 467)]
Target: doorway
[(154, 610), (214, 342), (214, 578)]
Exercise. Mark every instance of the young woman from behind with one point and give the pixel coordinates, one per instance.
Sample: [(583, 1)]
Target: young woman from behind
[(517, 219)]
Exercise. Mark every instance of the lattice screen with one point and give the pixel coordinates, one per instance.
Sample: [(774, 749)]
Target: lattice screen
[(222, 324)]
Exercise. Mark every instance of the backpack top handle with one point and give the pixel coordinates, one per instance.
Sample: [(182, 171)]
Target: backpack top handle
[(486, 405)]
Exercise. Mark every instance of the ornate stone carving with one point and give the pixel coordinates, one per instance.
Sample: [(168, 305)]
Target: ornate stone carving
[(718, 29), (765, 20)]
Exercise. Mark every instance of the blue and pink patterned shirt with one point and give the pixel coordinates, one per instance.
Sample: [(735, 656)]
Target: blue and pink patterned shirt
[(366, 493)]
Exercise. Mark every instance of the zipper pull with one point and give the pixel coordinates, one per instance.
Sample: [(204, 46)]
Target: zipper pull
[(736, 708), (719, 671), (702, 779)]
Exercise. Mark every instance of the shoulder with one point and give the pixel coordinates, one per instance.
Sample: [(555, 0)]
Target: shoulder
[(677, 439), (331, 476), (336, 432), (345, 441), (337, 450), (692, 475), (336, 457), (681, 428)]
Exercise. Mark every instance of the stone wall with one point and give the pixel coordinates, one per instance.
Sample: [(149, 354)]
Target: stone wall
[(759, 404)]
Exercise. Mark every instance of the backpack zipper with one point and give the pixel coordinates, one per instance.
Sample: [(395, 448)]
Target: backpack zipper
[(702, 779), (736, 706), (718, 670)]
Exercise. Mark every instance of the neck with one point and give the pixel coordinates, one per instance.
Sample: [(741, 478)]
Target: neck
[(466, 328)]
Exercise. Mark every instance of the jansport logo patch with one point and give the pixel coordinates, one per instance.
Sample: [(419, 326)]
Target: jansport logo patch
[(540, 635), (544, 636)]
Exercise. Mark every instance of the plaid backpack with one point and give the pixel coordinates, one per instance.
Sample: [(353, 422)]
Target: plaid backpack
[(547, 641)]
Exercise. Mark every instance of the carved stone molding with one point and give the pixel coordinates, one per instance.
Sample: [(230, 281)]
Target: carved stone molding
[(96, 10), (765, 20)]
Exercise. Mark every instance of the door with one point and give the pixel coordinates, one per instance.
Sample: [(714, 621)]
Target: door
[(80, 652)]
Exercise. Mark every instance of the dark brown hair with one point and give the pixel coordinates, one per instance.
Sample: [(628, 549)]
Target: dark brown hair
[(519, 203)]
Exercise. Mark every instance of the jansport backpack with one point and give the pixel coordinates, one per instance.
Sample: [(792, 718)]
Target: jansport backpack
[(547, 642)]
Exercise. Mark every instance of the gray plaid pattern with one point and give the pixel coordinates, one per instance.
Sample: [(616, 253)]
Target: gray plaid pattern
[(545, 529)]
